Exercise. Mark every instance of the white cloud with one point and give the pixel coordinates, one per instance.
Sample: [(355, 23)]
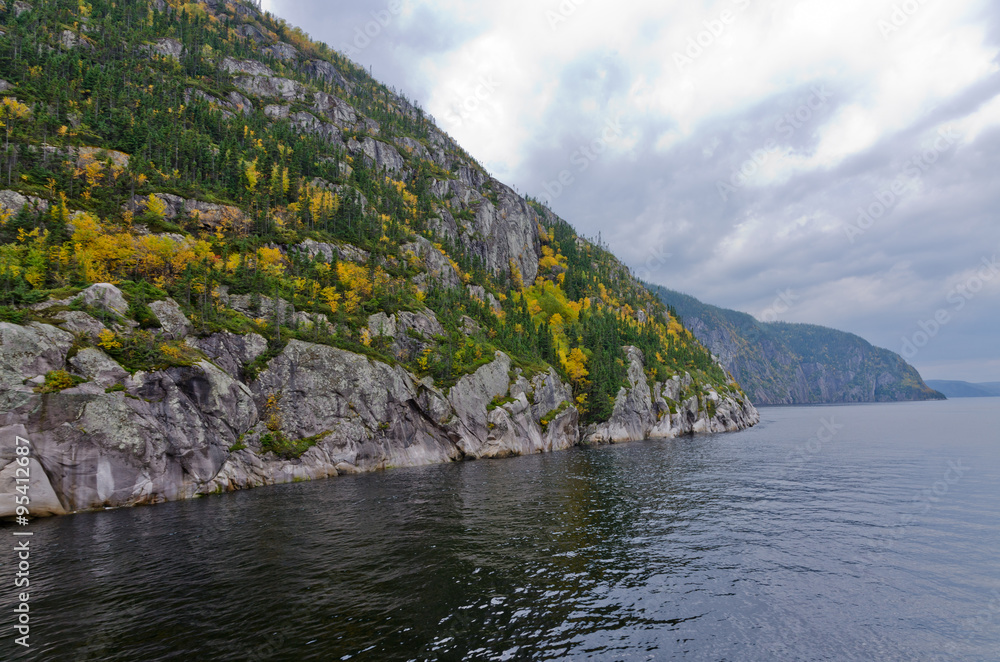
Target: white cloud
[(762, 51), (986, 117)]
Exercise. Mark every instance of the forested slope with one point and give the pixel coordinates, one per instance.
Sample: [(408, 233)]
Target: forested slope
[(781, 363), (199, 187)]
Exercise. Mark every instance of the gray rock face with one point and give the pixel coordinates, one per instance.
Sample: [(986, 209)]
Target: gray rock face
[(326, 72), (470, 397), (329, 251), (469, 326), (118, 450), (479, 292), (334, 109), (282, 51), (80, 323), (168, 48), (438, 267), (245, 10), (105, 296), (277, 111), (308, 123), (44, 500), (208, 214), (69, 39), (168, 435), (239, 103), (505, 234), (86, 155), (411, 333), (252, 32), (414, 148), (378, 153), (98, 367), (501, 234), (372, 412), (249, 67), (234, 103), (258, 80), (271, 87), (643, 413), (173, 323), (12, 202), (549, 394), (27, 352), (231, 352)]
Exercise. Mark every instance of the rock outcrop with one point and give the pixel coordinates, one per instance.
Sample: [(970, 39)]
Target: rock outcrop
[(208, 214), (11, 202), (167, 47), (436, 264), (379, 154), (233, 103), (670, 409), (120, 439)]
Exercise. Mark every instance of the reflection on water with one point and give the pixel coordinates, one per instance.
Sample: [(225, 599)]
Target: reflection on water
[(708, 548)]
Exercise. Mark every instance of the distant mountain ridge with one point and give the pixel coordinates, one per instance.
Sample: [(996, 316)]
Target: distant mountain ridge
[(780, 363), (959, 389)]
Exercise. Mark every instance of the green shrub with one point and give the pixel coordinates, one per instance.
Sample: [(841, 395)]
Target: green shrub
[(58, 380), (143, 350), (139, 295), (498, 402), (277, 443), (13, 315), (549, 417)]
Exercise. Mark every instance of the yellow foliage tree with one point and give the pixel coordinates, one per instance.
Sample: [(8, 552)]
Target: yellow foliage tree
[(515, 275), (272, 412), (108, 340), (331, 297), (156, 207), (351, 302), (251, 174), (270, 261), (12, 110), (354, 278), (576, 366)]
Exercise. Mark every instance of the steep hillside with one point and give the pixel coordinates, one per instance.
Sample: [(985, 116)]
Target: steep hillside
[(780, 363), (230, 257)]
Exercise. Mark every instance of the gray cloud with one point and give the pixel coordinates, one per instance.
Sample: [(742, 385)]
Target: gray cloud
[(655, 189)]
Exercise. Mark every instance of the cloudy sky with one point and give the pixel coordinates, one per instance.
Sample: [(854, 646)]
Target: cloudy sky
[(843, 154)]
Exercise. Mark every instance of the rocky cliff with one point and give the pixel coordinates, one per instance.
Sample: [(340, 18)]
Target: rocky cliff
[(119, 439), (229, 257), (780, 364)]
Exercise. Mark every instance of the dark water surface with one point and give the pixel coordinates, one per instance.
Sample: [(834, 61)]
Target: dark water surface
[(768, 544)]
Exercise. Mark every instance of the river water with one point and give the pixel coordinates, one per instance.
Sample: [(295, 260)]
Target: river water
[(826, 533)]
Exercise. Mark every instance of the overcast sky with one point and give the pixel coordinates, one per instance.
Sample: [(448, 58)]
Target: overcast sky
[(728, 149)]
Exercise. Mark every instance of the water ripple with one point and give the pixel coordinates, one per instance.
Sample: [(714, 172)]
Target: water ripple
[(709, 548)]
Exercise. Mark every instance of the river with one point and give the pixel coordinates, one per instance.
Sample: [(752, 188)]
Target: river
[(867, 532)]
